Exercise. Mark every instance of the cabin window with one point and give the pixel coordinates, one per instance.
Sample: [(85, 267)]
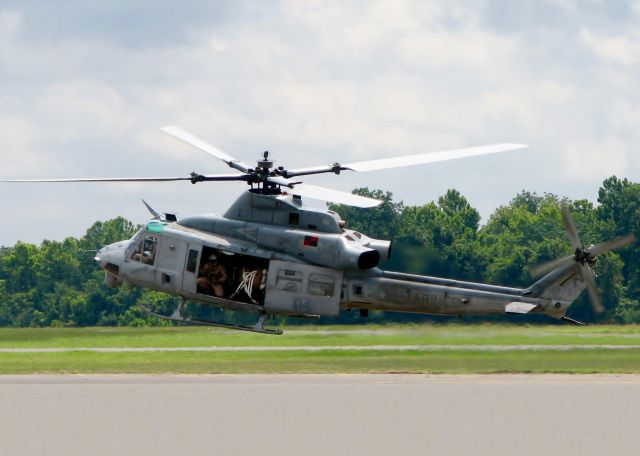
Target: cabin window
[(294, 218), (289, 280), (357, 290), (321, 285), (192, 261), (145, 251)]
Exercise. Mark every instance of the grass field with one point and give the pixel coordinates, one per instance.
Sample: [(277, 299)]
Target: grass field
[(596, 354)]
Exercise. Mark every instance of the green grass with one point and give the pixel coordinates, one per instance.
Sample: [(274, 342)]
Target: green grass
[(591, 360), (190, 336), (461, 362)]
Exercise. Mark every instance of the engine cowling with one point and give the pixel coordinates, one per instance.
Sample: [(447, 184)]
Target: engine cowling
[(382, 247), (324, 249)]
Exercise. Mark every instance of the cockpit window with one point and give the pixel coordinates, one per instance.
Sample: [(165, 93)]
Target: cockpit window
[(145, 251)]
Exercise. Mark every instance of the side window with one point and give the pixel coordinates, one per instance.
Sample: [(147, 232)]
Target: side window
[(145, 251), (321, 285), (192, 261), (289, 280)]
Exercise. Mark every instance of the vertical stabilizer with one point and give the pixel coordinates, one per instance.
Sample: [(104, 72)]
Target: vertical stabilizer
[(562, 286)]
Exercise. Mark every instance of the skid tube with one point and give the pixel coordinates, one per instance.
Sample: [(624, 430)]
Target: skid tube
[(257, 328)]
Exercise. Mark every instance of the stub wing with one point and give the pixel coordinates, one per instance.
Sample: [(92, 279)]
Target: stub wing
[(519, 307)]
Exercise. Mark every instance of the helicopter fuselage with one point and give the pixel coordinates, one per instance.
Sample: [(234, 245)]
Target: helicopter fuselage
[(286, 265)]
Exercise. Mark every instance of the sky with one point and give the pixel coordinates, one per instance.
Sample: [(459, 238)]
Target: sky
[(86, 86)]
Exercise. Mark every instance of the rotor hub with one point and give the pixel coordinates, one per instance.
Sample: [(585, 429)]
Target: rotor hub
[(265, 164), (584, 256)]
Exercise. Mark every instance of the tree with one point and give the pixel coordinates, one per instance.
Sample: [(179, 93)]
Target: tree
[(619, 211), (19, 266), (104, 233), (380, 222), (59, 284), (439, 238)]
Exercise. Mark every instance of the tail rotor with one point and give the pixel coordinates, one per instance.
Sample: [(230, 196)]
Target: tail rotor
[(584, 257)]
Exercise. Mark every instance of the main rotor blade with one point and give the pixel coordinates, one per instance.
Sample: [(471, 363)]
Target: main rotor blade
[(211, 177), (100, 179), (587, 275), (543, 268), (614, 244), (335, 196), (189, 138), (432, 157), (226, 177), (323, 193), (278, 180), (571, 227), (315, 170), (406, 160)]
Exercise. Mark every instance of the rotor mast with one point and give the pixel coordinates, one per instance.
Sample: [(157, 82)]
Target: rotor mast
[(261, 176)]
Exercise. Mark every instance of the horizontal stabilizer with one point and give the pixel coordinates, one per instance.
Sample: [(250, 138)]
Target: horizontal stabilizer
[(519, 307)]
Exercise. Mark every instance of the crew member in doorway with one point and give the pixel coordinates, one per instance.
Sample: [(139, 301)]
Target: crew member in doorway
[(211, 277)]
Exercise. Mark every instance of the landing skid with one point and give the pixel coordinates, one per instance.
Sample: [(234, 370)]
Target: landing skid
[(571, 320), (257, 328)]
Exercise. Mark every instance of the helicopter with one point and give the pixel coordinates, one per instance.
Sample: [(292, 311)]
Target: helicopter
[(270, 254)]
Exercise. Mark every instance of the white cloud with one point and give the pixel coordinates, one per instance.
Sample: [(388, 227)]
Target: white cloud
[(10, 23), (218, 45), (622, 50), (16, 145), (316, 82), (82, 109), (599, 159)]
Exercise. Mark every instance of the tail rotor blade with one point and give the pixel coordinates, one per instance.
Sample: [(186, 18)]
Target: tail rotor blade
[(589, 278), (549, 266), (571, 227), (614, 244)]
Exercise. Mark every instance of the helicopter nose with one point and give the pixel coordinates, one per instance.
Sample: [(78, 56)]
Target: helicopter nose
[(98, 257), (110, 254)]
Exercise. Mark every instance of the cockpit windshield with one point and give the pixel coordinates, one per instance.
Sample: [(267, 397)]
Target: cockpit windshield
[(143, 247)]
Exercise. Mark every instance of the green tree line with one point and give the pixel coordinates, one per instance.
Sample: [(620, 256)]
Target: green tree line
[(59, 284)]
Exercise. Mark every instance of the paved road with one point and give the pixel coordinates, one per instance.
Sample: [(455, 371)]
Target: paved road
[(315, 348), (320, 415)]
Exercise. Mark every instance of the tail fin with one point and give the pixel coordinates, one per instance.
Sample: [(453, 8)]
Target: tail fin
[(561, 286)]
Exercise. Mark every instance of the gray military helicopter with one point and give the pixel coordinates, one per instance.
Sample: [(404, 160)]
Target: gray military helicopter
[(270, 254)]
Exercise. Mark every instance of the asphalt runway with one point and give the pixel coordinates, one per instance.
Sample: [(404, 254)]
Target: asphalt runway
[(320, 415)]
